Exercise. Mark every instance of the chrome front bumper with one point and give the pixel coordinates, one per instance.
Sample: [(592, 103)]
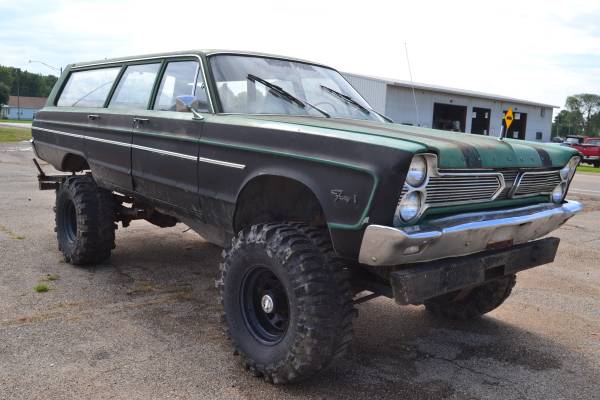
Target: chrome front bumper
[(462, 234)]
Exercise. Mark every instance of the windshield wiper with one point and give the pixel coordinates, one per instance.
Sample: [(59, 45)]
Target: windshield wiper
[(285, 94), (355, 103)]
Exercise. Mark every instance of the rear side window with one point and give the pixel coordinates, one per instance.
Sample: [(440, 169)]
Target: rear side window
[(135, 87), (178, 80), (88, 88)]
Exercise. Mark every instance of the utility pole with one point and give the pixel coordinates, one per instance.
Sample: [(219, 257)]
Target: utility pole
[(18, 96)]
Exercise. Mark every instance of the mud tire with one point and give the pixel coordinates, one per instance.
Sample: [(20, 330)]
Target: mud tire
[(84, 216), (318, 295), (479, 301)]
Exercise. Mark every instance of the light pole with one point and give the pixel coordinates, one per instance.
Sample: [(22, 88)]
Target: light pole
[(18, 96), (59, 70)]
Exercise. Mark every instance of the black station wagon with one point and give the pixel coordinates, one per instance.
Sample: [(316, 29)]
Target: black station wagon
[(319, 201)]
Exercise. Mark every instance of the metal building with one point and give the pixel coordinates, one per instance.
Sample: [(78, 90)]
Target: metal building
[(454, 109)]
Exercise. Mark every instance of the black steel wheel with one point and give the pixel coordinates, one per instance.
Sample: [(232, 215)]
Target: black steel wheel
[(287, 308), (264, 305), (85, 227)]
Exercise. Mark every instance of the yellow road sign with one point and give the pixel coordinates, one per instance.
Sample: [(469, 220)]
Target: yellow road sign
[(508, 118)]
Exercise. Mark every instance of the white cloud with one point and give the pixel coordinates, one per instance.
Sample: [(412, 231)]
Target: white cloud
[(538, 50)]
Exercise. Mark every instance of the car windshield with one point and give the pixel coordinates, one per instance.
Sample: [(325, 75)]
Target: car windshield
[(241, 92)]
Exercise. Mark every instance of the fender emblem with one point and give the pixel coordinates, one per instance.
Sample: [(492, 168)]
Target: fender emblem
[(338, 195)]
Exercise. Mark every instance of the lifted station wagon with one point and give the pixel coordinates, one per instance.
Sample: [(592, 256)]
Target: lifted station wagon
[(319, 201)]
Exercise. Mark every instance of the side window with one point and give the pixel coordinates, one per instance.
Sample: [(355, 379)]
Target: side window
[(135, 87), (200, 92), (179, 80), (88, 88)]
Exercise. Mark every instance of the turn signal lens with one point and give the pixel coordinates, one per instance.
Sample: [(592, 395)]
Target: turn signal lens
[(417, 172)]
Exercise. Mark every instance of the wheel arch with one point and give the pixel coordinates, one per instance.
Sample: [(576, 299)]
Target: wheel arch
[(272, 196), (73, 162)]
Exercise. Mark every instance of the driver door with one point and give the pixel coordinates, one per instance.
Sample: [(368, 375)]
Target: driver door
[(165, 141)]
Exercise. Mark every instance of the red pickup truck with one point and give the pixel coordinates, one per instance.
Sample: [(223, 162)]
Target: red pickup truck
[(590, 149)]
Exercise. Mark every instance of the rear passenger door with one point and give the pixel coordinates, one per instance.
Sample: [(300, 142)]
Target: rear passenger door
[(104, 137), (131, 94), (165, 140)]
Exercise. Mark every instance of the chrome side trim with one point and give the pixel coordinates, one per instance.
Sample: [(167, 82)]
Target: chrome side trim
[(144, 148), (221, 163), (164, 152), (462, 234), (58, 132)]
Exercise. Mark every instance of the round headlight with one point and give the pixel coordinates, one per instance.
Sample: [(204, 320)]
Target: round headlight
[(410, 206), (558, 194), (417, 172)]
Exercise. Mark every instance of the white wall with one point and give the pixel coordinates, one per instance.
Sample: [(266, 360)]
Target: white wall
[(401, 108), (372, 90), (397, 103)]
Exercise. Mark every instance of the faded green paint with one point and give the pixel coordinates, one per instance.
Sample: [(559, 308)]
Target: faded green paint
[(263, 150), (494, 153), (290, 124)]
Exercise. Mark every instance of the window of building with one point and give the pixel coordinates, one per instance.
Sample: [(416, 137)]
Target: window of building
[(135, 87), (539, 136), (88, 88)]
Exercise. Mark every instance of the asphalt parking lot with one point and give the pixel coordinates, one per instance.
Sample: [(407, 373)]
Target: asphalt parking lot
[(146, 324)]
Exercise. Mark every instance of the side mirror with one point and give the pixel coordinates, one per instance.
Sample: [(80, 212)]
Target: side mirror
[(189, 103)]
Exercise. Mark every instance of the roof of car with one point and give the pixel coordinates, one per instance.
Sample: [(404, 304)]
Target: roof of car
[(207, 52)]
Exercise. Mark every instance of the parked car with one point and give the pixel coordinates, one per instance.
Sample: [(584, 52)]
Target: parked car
[(590, 149), (319, 201), (570, 140)]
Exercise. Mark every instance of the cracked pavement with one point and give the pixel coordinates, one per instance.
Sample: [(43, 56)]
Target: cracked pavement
[(146, 323)]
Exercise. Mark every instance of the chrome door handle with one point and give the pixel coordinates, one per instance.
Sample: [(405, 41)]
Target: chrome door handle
[(92, 117), (136, 119)]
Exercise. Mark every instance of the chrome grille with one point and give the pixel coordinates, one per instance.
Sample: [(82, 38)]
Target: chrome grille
[(509, 180), (459, 188), (535, 183)]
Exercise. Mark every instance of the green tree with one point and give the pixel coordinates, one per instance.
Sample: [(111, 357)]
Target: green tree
[(587, 104), (568, 123), (26, 83), (595, 125), (4, 94)]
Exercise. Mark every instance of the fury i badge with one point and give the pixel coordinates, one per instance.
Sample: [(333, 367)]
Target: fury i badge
[(338, 195)]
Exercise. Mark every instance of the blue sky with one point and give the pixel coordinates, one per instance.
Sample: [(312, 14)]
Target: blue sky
[(536, 50)]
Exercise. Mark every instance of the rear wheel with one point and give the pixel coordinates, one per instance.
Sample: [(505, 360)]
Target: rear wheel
[(84, 218), (471, 304), (286, 311)]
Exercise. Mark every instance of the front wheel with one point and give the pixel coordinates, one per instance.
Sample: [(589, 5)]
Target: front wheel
[(465, 305), (283, 302), (85, 226)]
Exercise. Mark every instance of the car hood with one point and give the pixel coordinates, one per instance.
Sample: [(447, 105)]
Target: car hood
[(455, 150)]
